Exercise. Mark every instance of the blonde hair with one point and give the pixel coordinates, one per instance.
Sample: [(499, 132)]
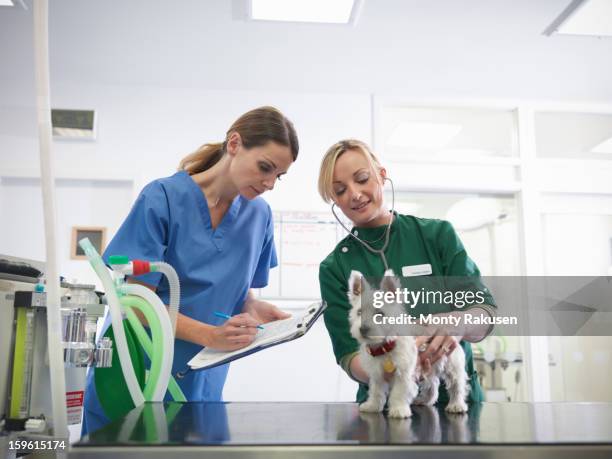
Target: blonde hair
[(256, 128), (326, 174)]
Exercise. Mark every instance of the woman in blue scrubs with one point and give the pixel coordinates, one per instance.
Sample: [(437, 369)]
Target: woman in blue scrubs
[(209, 223)]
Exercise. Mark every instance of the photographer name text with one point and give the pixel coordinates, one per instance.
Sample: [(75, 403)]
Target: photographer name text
[(465, 318)]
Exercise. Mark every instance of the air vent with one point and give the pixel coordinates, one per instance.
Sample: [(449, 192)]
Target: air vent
[(73, 124)]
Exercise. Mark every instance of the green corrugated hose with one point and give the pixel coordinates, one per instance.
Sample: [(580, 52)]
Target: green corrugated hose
[(151, 347)]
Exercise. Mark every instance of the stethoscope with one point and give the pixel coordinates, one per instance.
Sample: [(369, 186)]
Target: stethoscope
[(381, 251)]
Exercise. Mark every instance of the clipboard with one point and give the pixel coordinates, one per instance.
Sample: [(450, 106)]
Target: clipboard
[(273, 334)]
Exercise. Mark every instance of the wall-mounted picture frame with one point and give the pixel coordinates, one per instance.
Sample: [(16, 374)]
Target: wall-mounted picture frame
[(95, 234)]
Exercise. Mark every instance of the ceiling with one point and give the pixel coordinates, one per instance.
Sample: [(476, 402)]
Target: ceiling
[(432, 48)]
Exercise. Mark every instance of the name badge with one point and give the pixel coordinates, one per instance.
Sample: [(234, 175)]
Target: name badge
[(416, 270)]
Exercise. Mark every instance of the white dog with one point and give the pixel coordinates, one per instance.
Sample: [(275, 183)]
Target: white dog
[(396, 356)]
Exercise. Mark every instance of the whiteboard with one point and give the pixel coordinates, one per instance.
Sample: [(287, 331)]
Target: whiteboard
[(303, 240)]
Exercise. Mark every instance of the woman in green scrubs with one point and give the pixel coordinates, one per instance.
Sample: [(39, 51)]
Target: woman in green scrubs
[(353, 180)]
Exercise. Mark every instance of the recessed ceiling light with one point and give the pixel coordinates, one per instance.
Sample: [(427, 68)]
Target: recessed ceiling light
[(603, 147), (584, 17), (325, 11), (423, 135), (6, 3)]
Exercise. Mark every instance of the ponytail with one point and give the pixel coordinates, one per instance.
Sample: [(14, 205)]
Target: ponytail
[(203, 158)]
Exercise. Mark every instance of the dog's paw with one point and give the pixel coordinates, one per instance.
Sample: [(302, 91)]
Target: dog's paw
[(370, 407), (457, 407), (400, 412)]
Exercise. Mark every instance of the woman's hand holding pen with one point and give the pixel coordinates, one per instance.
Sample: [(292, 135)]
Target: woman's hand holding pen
[(237, 332)]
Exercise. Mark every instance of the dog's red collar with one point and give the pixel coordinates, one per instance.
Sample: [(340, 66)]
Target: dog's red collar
[(381, 349)]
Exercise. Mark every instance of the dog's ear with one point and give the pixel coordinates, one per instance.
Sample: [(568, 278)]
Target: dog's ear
[(355, 280), (390, 283)]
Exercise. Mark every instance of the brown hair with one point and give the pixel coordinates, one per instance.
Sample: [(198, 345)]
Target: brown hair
[(256, 128), (326, 173)]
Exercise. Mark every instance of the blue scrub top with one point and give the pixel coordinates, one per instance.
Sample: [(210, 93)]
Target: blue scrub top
[(170, 222)]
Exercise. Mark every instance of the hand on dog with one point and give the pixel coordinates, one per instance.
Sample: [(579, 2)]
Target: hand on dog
[(438, 345)]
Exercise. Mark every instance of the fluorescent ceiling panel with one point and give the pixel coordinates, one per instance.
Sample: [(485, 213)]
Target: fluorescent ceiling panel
[(6, 3), (333, 12), (604, 147), (423, 135), (584, 17)]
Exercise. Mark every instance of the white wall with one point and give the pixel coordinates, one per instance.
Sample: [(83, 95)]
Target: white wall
[(143, 132), (79, 203), (582, 365)]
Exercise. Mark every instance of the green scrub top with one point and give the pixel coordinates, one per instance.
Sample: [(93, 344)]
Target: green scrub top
[(412, 241)]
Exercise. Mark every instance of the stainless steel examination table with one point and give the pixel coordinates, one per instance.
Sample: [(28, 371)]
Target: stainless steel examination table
[(339, 430)]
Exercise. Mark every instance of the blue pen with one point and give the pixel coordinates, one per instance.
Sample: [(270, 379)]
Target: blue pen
[(227, 316)]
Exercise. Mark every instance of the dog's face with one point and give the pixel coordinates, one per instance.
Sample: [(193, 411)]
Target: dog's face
[(361, 295)]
